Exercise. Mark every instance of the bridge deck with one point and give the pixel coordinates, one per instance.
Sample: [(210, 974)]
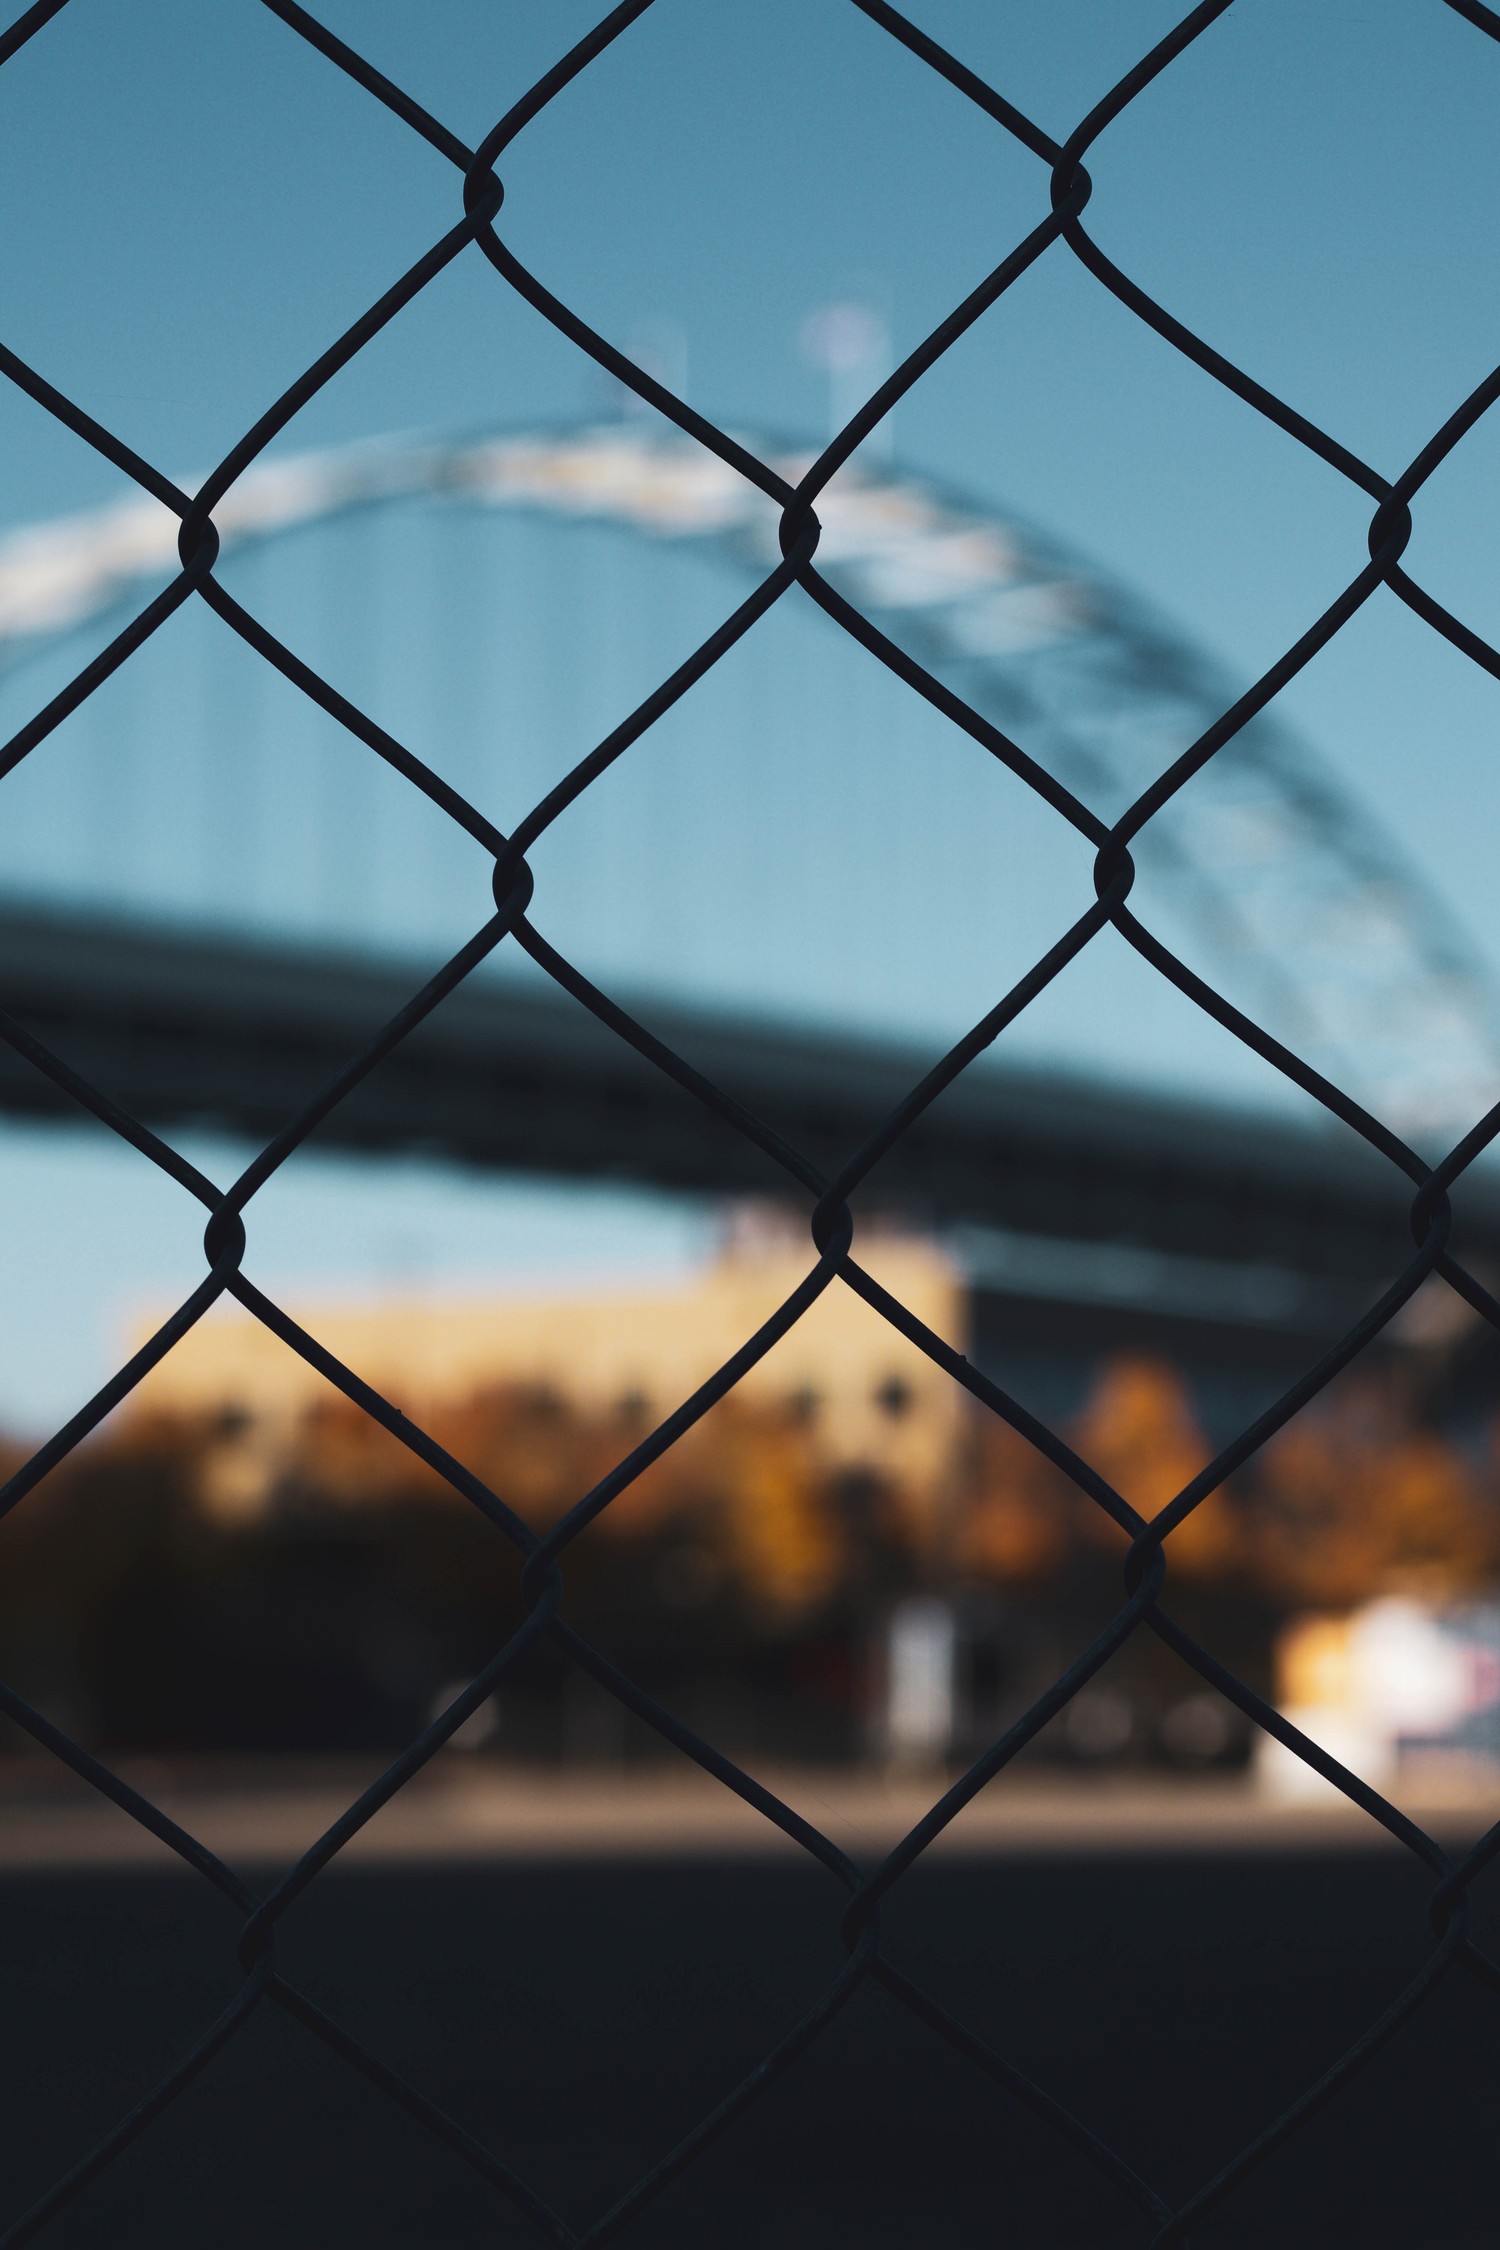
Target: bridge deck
[(180, 1027)]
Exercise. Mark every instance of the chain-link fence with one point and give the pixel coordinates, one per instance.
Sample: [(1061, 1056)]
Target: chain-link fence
[(857, 1893)]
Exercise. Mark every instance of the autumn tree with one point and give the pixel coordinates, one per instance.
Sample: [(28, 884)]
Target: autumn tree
[(1139, 1431), (1022, 1518), (1354, 1499)]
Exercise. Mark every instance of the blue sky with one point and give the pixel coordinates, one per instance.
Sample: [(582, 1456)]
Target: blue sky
[(196, 203)]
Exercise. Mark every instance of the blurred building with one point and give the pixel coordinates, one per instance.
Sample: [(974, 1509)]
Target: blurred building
[(1396, 1690), (864, 1398), (846, 1553)]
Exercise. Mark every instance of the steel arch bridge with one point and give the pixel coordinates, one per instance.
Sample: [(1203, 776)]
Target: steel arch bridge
[(1301, 906), (206, 903)]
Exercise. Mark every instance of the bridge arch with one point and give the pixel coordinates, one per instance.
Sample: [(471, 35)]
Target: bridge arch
[(1299, 904)]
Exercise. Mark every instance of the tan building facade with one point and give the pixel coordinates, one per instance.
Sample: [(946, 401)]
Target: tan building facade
[(864, 1394)]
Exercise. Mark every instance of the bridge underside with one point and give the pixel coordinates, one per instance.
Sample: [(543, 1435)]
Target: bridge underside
[(1077, 1213)]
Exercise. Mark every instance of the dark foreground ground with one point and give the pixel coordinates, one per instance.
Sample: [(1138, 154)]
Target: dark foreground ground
[(580, 2016)]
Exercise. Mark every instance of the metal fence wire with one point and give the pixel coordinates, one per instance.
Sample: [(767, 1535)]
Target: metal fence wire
[(1146, 1544)]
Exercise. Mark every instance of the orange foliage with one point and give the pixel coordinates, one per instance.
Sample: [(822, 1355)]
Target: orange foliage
[(1021, 1521), (1353, 1501), (1139, 1431), (784, 1544), (742, 1485)]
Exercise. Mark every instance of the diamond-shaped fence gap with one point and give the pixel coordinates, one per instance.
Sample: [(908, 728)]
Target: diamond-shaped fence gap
[(1133, 1021), (148, 799), (643, 607), (683, 110), (828, 1480), (1127, 2075), (526, 2053), (1098, 411), (795, 714), (84, 813), (1263, 2015), (82, 1209), (291, 1577), (518, 2026), (313, 835), (433, 368), (294, 229), (174, 1942), (1303, 2012), (1286, 267), (1436, 2094), (437, 611), (812, 2156), (281, 2122), (819, 2128), (353, 598)]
